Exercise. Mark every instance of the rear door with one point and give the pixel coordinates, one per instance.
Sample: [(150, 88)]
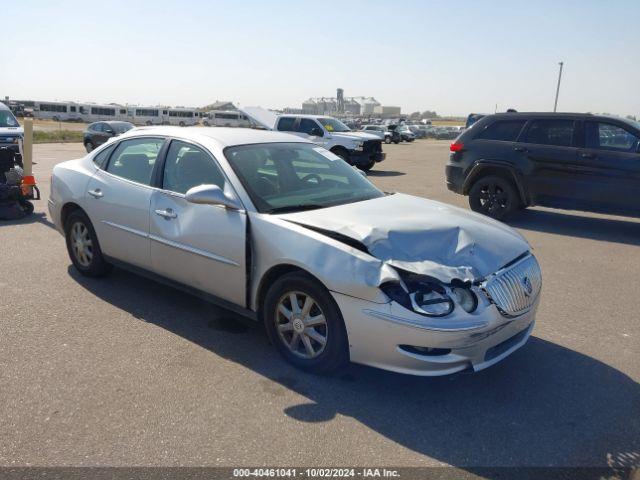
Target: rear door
[(549, 147), (202, 246), (611, 160), (118, 198)]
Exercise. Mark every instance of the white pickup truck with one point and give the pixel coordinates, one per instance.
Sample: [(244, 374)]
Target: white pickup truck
[(357, 148)]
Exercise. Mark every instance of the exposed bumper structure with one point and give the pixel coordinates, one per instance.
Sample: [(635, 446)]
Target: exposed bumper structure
[(386, 336)]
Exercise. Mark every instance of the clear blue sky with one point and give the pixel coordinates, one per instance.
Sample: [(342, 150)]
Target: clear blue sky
[(452, 57)]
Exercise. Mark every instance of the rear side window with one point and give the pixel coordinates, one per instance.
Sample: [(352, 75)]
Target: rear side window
[(609, 137), (286, 124), (502, 130), (551, 132), (101, 158), (135, 159)]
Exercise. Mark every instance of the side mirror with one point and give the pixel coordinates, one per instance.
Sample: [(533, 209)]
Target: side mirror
[(211, 195), (316, 132)]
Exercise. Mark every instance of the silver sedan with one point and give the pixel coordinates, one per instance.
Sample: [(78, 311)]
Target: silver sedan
[(284, 232)]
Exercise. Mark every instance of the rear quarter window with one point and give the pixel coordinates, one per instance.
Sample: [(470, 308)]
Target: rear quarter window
[(502, 130), (285, 124)]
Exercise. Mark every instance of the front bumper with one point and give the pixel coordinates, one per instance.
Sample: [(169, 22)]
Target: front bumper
[(475, 341), (364, 158)]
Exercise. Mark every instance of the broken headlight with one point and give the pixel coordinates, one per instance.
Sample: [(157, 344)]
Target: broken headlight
[(431, 298)]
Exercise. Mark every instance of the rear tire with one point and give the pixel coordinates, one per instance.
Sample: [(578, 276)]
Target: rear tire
[(83, 246), (311, 336), (89, 146), (493, 196), (387, 140)]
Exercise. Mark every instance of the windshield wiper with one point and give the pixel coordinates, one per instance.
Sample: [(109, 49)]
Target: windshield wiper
[(295, 208)]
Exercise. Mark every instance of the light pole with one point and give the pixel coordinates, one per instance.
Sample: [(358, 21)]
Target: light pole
[(555, 105)]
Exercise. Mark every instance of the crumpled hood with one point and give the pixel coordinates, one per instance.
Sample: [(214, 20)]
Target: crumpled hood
[(422, 236)]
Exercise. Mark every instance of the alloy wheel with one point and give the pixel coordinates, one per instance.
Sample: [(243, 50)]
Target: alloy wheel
[(301, 324), (493, 198), (82, 244)]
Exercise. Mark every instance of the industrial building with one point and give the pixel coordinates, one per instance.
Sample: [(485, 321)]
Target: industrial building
[(356, 106)]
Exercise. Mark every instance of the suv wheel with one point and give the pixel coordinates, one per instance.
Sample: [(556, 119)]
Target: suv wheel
[(493, 196), (83, 247), (387, 139), (305, 324), (367, 166)]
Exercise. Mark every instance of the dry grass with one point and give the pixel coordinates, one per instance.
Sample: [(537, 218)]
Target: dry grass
[(57, 136)]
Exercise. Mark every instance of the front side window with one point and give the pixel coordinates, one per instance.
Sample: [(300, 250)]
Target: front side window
[(610, 137), (282, 177), (188, 166), (307, 126), (286, 124), (134, 159), (504, 131), (551, 132)]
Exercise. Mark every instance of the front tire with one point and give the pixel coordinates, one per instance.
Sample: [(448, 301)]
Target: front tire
[(304, 322), (89, 147), (387, 140), (83, 246), (493, 196)]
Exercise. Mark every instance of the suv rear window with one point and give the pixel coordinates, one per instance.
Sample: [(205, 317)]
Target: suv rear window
[(551, 132), (503, 130)]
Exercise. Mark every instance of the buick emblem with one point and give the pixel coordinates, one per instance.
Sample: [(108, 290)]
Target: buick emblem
[(528, 288)]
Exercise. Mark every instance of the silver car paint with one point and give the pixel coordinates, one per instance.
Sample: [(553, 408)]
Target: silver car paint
[(429, 238)]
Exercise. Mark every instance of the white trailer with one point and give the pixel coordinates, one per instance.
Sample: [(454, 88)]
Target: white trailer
[(225, 118)]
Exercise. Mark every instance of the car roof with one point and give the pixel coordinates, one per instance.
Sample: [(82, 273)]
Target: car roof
[(224, 136)]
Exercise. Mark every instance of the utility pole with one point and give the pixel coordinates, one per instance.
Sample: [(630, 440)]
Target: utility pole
[(555, 105)]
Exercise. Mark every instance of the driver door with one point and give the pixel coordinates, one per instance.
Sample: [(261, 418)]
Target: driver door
[(201, 246)]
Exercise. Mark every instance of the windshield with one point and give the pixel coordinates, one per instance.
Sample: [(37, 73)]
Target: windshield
[(288, 177), (333, 125), (7, 119)]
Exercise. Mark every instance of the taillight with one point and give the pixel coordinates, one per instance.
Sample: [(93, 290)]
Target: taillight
[(456, 147)]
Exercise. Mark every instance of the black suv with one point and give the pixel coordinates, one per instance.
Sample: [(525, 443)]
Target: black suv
[(510, 161), (99, 132)]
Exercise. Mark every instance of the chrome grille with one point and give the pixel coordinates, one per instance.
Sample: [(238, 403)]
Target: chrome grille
[(515, 288)]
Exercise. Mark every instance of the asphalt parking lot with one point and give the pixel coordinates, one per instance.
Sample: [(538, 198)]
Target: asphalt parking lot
[(124, 371)]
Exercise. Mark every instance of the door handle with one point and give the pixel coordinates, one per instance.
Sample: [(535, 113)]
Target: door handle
[(167, 214), (520, 149), (97, 193), (587, 155)]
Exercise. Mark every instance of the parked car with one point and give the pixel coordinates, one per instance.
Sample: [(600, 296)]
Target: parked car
[(406, 135), (98, 133), (417, 131), (473, 118), (282, 231), (381, 131), (444, 133), (511, 161), (10, 130), (360, 149)]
